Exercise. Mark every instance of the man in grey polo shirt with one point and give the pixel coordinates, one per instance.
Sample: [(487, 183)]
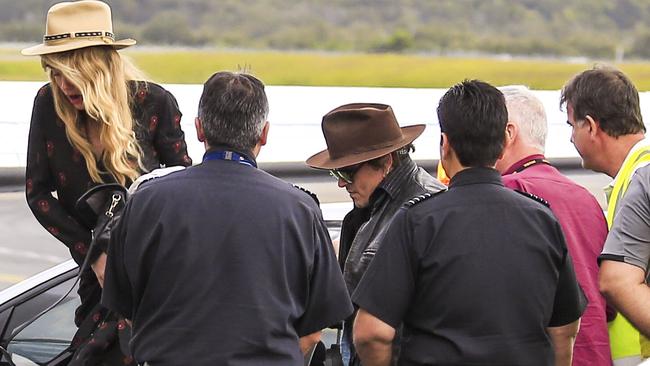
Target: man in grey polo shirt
[(626, 255)]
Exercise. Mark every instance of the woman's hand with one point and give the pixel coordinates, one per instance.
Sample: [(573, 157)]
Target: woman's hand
[(99, 267)]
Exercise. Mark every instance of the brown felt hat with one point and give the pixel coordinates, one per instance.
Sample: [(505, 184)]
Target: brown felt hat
[(77, 24), (359, 132)]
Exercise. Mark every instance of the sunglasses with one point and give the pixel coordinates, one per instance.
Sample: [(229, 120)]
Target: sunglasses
[(347, 173)]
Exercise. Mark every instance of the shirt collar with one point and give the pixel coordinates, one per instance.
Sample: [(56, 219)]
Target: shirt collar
[(477, 175), (521, 163), (396, 178), (391, 185), (641, 143)]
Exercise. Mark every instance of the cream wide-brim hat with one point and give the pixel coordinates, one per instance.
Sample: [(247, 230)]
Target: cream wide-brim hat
[(77, 24)]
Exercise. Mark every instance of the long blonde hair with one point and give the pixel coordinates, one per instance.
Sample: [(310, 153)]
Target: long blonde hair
[(102, 76)]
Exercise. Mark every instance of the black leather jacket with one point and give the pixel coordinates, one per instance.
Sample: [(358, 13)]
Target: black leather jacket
[(363, 228)]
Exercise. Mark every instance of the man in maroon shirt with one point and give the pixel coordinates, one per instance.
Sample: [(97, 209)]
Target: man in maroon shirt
[(524, 168)]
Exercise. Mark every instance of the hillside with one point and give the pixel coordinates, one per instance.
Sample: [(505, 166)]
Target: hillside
[(593, 28)]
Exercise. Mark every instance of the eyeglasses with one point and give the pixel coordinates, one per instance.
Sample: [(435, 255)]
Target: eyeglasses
[(347, 173)]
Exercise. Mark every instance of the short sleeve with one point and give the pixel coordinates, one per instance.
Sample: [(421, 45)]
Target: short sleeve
[(570, 301), (629, 238), (389, 283), (328, 301), (117, 288)]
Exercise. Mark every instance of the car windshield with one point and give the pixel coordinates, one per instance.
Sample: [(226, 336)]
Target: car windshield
[(50, 334)]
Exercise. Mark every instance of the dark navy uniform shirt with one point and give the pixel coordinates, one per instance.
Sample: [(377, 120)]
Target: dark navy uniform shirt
[(475, 274), (223, 264)]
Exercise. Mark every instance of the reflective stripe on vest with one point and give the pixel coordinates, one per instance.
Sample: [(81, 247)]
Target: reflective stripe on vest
[(624, 176), (625, 341)]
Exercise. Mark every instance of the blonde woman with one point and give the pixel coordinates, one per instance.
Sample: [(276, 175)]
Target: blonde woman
[(92, 124)]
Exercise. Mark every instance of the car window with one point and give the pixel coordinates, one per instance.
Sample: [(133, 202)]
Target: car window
[(334, 230), (51, 333)]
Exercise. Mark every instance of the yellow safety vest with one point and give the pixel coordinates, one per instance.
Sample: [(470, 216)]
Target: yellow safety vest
[(442, 174), (624, 340)]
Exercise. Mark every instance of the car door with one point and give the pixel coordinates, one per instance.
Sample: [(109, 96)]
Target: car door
[(37, 317)]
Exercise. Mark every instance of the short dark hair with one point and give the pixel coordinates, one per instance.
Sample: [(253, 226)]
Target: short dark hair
[(608, 96), (473, 115), (233, 109)]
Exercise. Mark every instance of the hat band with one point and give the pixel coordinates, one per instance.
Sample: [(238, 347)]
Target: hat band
[(367, 149), (57, 37)]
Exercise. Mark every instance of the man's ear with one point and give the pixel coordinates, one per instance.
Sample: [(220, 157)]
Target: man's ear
[(389, 164), (444, 146), (512, 130), (447, 155), (593, 124), (265, 133), (511, 133), (199, 129)]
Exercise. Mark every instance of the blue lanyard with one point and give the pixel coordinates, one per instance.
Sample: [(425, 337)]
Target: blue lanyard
[(229, 155)]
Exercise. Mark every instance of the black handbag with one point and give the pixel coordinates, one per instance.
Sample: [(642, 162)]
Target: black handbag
[(322, 356), (103, 336), (101, 209)]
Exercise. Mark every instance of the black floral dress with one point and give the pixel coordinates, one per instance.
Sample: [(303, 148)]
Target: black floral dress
[(55, 166)]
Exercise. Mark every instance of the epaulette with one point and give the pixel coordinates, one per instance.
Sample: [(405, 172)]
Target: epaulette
[(311, 194), (421, 198), (534, 197)]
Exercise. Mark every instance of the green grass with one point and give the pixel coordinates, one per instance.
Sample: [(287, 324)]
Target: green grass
[(324, 69)]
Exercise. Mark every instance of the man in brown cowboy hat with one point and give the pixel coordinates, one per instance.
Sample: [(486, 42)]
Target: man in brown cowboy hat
[(368, 153)]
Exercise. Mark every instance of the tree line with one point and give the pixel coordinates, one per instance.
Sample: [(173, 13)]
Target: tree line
[(592, 28)]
